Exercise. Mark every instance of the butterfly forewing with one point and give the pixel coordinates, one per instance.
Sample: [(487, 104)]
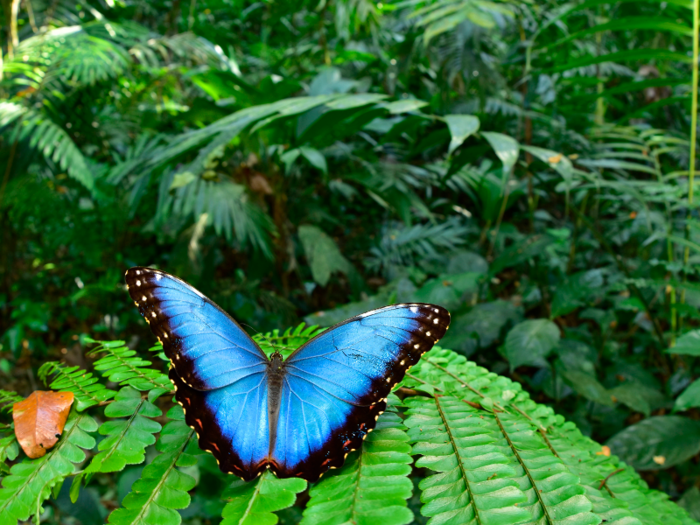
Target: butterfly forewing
[(206, 347)]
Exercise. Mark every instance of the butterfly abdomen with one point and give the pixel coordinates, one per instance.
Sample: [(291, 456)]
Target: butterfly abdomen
[(275, 377)]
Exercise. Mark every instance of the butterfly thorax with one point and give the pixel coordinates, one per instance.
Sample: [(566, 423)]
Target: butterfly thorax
[(275, 377)]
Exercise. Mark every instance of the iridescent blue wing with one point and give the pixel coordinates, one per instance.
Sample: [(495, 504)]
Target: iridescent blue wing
[(231, 422), (220, 374), (335, 385), (207, 348)]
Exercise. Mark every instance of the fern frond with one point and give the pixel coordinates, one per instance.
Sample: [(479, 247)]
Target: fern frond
[(49, 139), (127, 438), (539, 436), (618, 494), (401, 245), (253, 503), (479, 480), (30, 482), (231, 211), (287, 342), (372, 486), (86, 388), (122, 365), (9, 450), (7, 399), (162, 488)]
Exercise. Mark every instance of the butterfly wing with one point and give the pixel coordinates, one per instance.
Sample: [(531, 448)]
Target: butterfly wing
[(207, 348), (335, 385), (231, 422), (220, 374)]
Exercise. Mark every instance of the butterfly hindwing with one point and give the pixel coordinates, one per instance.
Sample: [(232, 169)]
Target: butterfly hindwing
[(231, 422), (335, 385), (206, 347)]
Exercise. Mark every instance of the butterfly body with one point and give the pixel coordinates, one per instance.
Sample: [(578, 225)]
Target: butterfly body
[(298, 416)]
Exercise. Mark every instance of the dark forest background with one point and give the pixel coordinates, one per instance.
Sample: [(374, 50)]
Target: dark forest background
[(527, 165)]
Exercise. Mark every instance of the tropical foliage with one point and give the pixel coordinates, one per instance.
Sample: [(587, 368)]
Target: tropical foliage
[(529, 166)]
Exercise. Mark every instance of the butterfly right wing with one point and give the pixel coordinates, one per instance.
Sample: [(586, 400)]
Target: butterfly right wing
[(206, 347)]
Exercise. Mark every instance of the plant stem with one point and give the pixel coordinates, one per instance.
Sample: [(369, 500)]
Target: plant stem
[(693, 136)]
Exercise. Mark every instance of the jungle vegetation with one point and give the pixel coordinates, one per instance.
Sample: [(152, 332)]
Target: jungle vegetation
[(528, 165)]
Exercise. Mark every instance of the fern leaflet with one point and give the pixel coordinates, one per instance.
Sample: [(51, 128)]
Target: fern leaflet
[(128, 438), (86, 389), (254, 503), (122, 365), (30, 482), (7, 399), (372, 487), (162, 488)]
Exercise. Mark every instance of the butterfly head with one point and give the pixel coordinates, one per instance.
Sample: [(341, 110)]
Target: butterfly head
[(276, 361)]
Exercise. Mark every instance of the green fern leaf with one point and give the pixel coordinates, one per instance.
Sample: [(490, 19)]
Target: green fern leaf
[(624, 498), (9, 450), (162, 488), (479, 480), (287, 342), (30, 482), (122, 365), (128, 438), (49, 139), (253, 503), (372, 487), (86, 389), (7, 399)]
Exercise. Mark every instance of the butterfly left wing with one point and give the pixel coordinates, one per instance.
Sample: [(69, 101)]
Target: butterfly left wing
[(335, 385), (207, 348)]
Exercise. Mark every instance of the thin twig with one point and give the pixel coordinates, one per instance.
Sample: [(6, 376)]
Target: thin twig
[(603, 483)]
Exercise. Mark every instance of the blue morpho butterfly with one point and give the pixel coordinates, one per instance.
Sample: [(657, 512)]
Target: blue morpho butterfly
[(299, 416)]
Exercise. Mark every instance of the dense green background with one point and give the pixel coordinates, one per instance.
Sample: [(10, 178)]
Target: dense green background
[(523, 164)]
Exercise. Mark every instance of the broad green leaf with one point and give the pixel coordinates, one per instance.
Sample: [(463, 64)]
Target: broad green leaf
[(638, 397), (588, 386), (315, 158), (687, 344), (507, 149), (484, 322), (404, 106), (690, 501), (689, 398), (530, 342), (657, 442), (461, 127), (254, 502), (558, 162), (322, 253), (571, 294), (447, 290)]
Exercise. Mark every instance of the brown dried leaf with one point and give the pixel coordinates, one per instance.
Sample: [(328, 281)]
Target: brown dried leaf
[(39, 420)]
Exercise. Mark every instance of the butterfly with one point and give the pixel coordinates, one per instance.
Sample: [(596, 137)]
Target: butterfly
[(298, 416)]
